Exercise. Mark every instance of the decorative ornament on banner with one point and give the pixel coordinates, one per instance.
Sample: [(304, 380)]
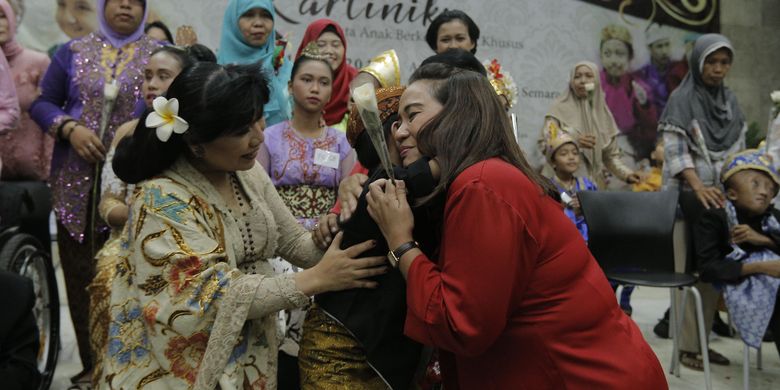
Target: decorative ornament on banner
[(536, 42)]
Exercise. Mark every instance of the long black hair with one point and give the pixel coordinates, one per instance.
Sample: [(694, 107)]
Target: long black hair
[(432, 35), (215, 101)]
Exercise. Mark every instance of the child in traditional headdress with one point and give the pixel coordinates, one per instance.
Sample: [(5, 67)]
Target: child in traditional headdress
[(736, 247), (563, 154)]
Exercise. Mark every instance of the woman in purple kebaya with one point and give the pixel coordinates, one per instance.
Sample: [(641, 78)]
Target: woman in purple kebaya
[(75, 89)]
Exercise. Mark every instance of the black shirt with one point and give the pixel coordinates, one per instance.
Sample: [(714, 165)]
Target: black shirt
[(712, 243)]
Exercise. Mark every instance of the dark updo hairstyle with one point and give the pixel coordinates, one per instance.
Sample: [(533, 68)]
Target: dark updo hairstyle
[(201, 53), (215, 100), (161, 26), (458, 58), (471, 127), (432, 35), (187, 56)]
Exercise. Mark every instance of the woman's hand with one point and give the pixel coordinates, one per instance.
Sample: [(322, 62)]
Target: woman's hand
[(387, 205), (710, 197), (587, 141), (349, 191), (341, 269), (324, 230), (86, 144)]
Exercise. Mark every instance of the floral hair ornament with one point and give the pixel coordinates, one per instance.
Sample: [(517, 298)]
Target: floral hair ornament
[(501, 81), (166, 119)]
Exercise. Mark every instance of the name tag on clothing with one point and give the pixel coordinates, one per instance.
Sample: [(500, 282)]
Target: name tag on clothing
[(326, 158)]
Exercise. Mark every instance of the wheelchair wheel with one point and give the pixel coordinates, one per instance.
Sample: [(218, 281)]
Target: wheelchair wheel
[(24, 255)]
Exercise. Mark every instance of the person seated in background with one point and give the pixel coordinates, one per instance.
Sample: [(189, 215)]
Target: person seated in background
[(737, 246), (563, 155), (18, 333)]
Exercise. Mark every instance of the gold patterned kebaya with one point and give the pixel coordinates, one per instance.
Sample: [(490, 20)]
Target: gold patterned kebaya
[(193, 301)]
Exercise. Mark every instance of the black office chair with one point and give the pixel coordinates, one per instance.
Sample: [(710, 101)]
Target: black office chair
[(631, 236)]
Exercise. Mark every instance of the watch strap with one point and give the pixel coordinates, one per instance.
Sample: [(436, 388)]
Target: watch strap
[(403, 248)]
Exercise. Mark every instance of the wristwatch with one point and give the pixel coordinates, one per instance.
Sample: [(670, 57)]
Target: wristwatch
[(394, 256)]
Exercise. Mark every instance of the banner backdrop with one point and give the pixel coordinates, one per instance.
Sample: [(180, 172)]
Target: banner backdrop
[(537, 42)]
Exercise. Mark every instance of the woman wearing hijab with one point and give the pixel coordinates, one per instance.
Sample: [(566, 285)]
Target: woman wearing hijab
[(702, 125), (75, 93), (330, 38), (26, 150), (248, 36), (585, 117)]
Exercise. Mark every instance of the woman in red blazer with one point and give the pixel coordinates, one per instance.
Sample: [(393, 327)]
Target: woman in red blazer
[(515, 299)]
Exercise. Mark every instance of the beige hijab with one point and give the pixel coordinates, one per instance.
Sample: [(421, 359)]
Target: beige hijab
[(579, 117)]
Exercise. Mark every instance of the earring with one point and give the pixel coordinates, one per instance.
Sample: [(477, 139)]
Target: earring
[(198, 151)]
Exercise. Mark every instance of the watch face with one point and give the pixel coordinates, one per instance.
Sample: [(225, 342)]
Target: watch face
[(391, 259)]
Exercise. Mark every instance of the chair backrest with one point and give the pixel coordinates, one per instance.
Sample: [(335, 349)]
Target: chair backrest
[(631, 231)]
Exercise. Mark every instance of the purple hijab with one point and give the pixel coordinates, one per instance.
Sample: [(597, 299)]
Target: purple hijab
[(118, 40)]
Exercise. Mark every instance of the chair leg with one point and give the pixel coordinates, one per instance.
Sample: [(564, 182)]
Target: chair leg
[(746, 367), (680, 296), (618, 292), (758, 358), (702, 337), (675, 366)]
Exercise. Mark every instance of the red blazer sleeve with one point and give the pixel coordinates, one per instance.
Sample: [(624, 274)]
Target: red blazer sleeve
[(358, 168), (461, 304)]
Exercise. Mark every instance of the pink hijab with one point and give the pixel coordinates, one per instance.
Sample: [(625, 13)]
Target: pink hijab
[(10, 48)]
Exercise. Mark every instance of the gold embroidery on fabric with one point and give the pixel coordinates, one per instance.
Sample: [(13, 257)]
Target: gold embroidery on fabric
[(177, 314), (149, 259), (208, 291), (109, 60), (155, 375), (185, 248), (153, 285), (140, 223)]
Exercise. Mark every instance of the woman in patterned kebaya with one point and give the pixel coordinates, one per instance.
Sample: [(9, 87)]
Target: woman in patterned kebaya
[(72, 108), (194, 301)]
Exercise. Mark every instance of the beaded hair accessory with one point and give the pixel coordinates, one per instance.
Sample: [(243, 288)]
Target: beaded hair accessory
[(313, 51), (165, 118)]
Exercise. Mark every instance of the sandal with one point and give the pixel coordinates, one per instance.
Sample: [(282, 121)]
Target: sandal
[(695, 362), (692, 360)]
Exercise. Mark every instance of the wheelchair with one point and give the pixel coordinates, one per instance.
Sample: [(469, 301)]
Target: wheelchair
[(25, 247)]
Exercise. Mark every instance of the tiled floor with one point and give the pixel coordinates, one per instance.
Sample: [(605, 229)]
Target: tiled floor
[(649, 305)]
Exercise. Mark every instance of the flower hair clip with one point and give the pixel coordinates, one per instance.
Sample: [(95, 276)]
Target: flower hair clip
[(166, 119)]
